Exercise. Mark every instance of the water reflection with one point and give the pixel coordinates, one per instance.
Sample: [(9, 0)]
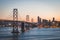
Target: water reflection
[(33, 34), (15, 36)]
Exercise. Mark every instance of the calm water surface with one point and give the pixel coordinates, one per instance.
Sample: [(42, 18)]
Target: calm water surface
[(33, 34)]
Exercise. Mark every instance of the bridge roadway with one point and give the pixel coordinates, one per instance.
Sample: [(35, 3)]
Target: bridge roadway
[(9, 23), (33, 34)]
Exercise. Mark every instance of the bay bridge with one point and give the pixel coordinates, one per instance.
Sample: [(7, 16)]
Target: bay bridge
[(15, 23)]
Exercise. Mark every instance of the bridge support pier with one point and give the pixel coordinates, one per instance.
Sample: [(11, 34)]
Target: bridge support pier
[(22, 27), (15, 19), (15, 29)]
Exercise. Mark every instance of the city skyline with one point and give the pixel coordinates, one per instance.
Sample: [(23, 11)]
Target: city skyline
[(45, 9)]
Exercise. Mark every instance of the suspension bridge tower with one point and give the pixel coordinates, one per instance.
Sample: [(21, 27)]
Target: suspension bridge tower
[(15, 21)]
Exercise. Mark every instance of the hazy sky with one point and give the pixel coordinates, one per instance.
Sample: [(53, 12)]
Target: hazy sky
[(46, 9)]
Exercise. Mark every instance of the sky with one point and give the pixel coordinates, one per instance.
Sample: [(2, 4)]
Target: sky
[(46, 9)]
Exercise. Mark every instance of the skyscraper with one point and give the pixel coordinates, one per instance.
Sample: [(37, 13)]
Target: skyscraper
[(39, 20), (27, 18), (32, 20), (53, 19)]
